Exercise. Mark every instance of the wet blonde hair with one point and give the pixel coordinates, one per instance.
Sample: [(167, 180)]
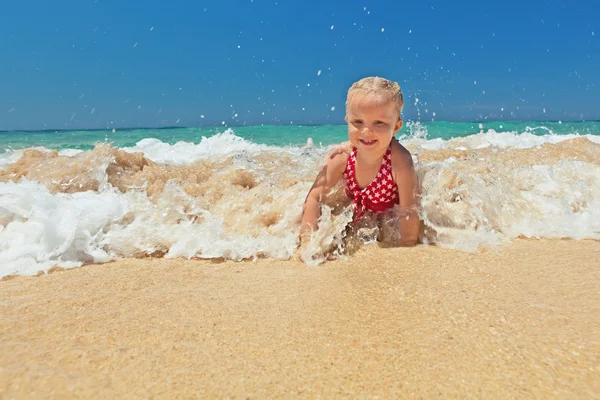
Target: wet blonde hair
[(376, 91)]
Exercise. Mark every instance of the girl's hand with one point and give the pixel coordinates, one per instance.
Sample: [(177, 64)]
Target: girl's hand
[(345, 147), (299, 257)]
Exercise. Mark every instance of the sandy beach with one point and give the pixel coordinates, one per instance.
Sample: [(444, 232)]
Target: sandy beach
[(521, 321)]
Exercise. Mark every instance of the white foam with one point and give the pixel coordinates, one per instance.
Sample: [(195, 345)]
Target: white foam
[(516, 140), (494, 139), (178, 227), (184, 153), (69, 152), (41, 230), (469, 209)]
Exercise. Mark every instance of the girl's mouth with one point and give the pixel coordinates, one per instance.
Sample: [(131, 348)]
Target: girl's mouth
[(368, 142)]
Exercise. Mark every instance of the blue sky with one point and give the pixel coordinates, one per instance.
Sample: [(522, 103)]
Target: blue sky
[(71, 64)]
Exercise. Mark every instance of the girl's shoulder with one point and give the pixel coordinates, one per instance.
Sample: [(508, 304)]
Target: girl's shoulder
[(401, 157)]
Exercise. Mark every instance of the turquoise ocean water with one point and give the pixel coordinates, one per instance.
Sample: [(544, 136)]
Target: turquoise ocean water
[(283, 135)]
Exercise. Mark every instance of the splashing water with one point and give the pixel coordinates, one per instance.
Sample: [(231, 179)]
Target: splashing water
[(227, 197)]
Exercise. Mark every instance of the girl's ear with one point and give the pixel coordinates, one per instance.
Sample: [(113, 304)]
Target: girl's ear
[(398, 126), (346, 118)]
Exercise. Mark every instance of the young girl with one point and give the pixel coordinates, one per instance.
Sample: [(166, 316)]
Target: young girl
[(378, 171)]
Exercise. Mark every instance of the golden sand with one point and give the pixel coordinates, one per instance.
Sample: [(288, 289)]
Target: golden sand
[(423, 322)]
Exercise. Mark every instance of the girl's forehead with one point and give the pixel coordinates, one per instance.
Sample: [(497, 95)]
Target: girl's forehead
[(365, 102)]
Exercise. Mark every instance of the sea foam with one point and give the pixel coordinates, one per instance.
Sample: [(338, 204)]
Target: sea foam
[(227, 197)]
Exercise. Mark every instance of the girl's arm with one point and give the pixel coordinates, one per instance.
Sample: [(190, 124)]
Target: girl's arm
[(328, 177), (404, 174)]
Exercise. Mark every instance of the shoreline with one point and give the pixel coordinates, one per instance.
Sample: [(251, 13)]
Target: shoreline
[(519, 321)]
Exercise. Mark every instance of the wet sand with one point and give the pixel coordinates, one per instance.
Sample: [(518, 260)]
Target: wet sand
[(423, 322)]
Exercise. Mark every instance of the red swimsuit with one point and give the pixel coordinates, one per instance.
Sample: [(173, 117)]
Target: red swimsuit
[(379, 195)]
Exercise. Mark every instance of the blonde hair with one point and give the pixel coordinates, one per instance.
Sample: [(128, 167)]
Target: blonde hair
[(383, 89)]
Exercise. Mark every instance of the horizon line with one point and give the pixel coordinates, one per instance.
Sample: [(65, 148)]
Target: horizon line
[(167, 127)]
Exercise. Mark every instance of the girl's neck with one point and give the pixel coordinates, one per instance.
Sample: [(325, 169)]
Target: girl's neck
[(369, 160)]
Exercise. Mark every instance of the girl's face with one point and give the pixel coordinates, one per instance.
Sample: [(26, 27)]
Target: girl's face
[(372, 123)]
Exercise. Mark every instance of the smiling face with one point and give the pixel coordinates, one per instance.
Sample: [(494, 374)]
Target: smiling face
[(373, 120)]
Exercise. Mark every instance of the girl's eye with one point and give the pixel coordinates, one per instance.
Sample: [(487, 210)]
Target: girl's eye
[(378, 123), (358, 121)]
